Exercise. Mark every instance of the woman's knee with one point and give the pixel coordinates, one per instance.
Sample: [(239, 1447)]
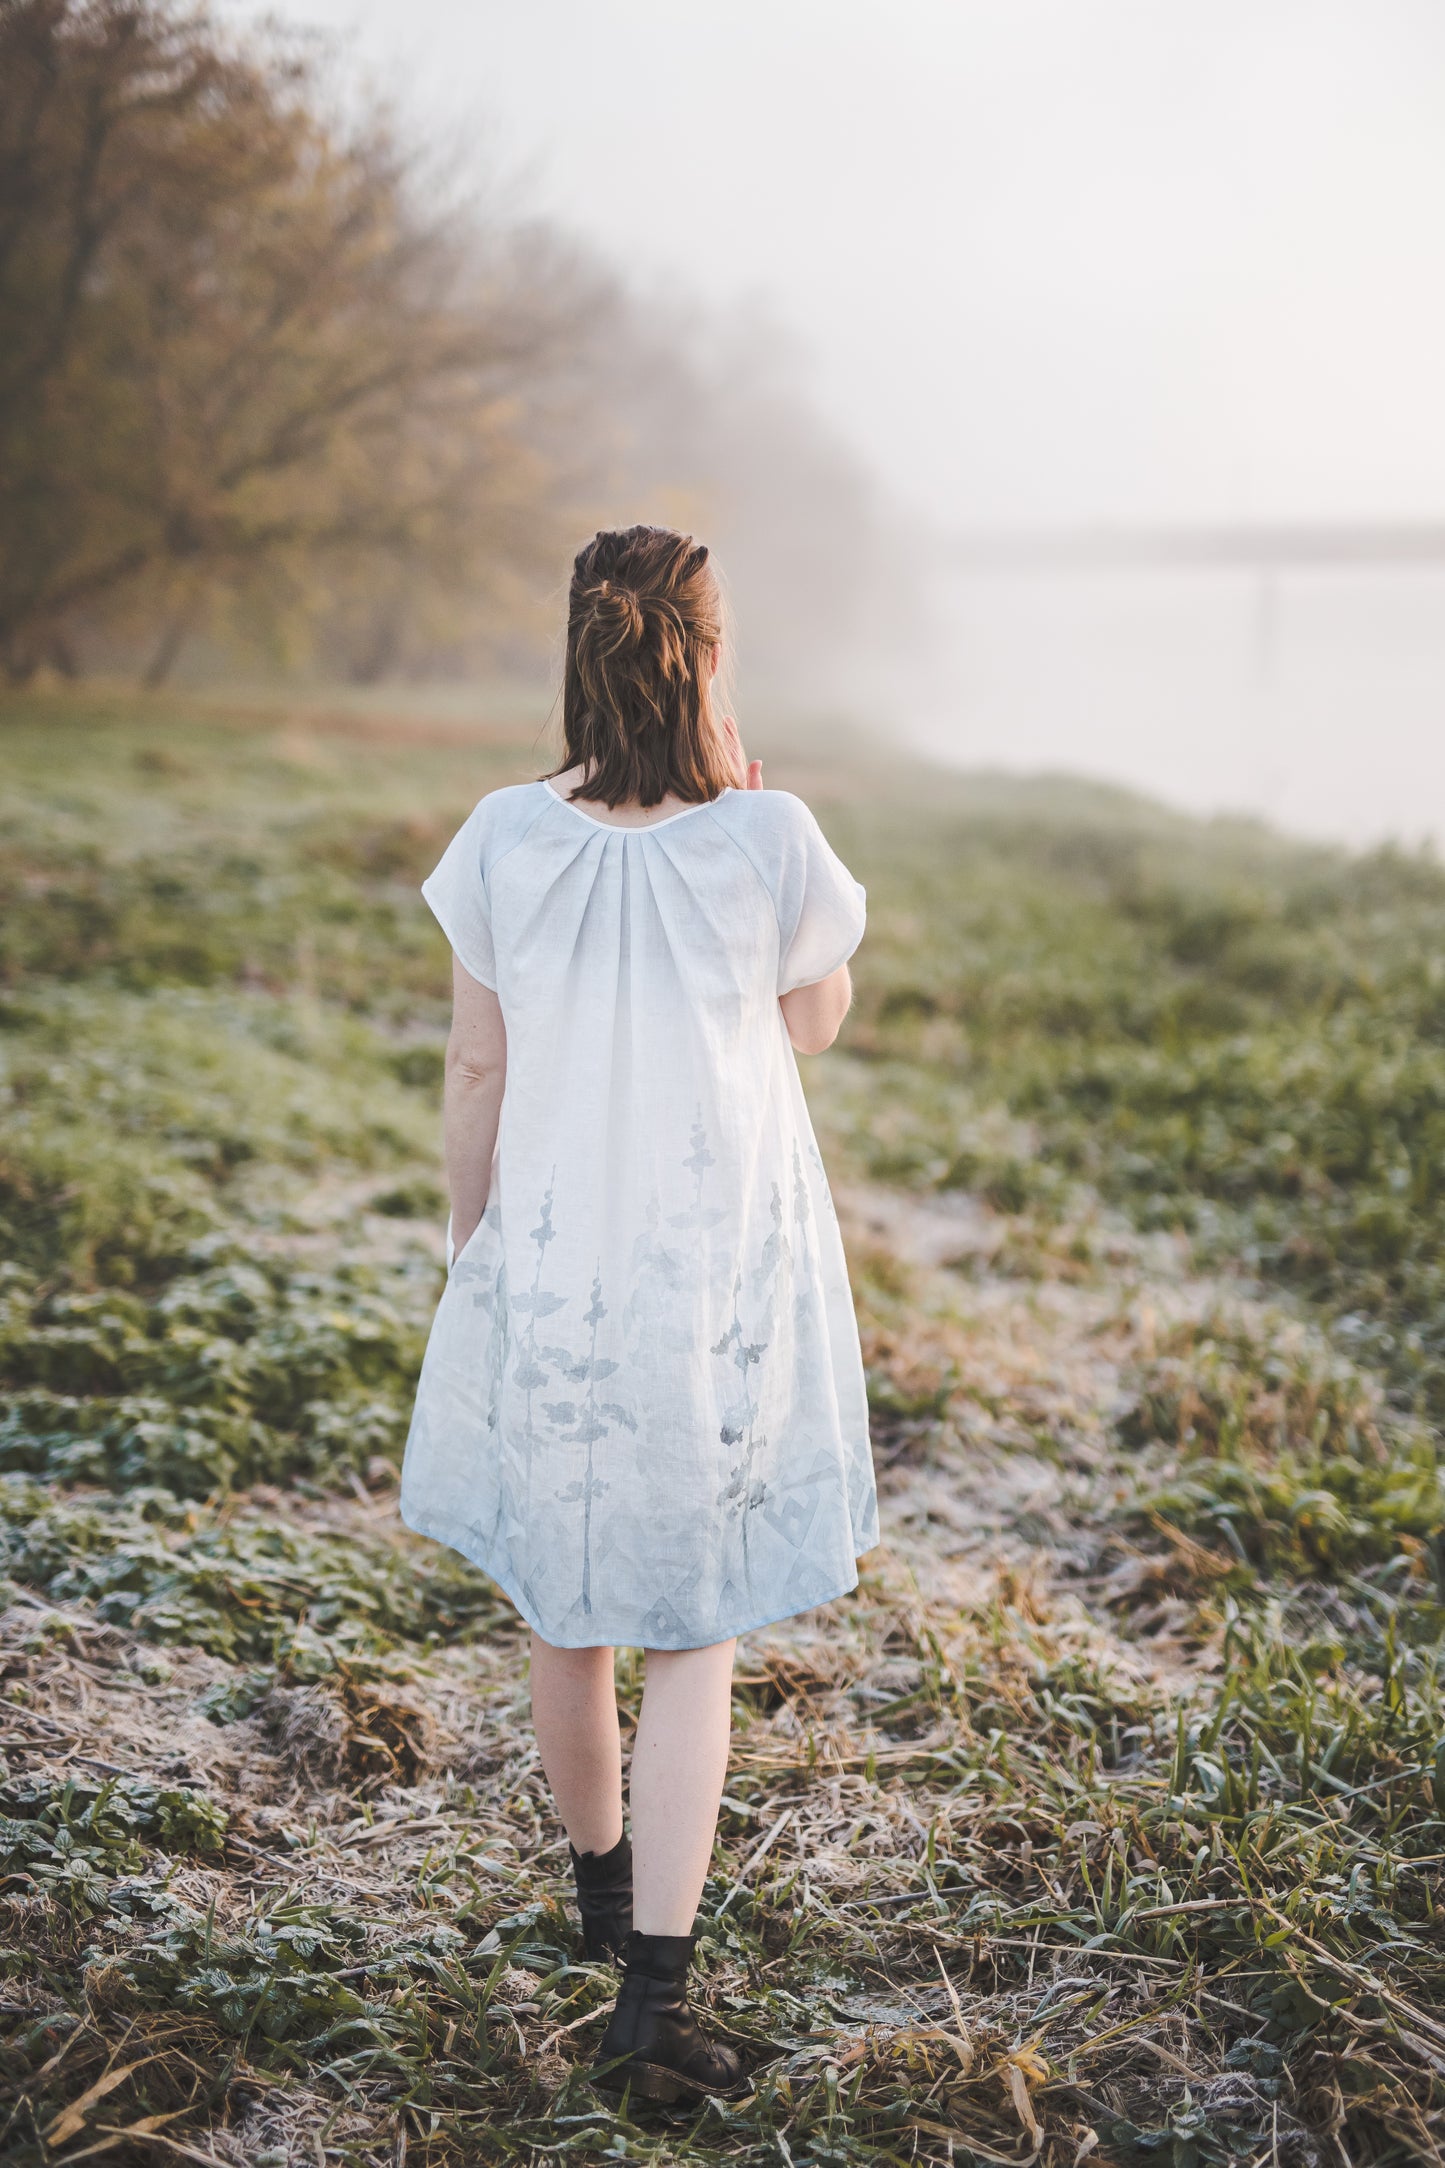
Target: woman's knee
[(580, 1664), (714, 1657)]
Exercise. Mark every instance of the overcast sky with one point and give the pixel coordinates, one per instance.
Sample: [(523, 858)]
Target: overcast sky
[(1048, 260), (1047, 257)]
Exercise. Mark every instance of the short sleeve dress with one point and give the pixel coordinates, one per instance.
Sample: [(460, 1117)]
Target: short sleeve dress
[(642, 1407)]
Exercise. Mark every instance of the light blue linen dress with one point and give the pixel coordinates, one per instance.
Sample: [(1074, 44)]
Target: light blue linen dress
[(642, 1409)]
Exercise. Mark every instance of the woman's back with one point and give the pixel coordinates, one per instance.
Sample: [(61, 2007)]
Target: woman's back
[(670, 1342), (709, 913)]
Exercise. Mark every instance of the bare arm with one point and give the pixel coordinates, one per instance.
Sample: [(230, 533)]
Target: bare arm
[(476, 1074), (814, 1014)]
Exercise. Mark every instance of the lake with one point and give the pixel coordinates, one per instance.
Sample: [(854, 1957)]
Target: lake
[(1315, 698)]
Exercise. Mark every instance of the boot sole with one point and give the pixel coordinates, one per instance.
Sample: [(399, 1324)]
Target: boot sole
[(654, 2081)]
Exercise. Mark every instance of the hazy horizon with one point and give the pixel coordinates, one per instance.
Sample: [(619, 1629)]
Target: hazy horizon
[(1044, 264)]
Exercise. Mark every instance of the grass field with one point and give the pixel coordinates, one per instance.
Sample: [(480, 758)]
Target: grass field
[(1106, 1822)]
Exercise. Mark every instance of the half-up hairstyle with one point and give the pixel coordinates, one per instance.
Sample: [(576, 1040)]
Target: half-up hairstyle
[(644, 616)]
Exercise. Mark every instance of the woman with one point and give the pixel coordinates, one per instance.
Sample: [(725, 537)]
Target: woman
[(642, 1409)]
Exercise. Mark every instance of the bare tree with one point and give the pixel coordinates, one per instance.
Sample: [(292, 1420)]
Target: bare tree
[(237, 351), (258, 377)]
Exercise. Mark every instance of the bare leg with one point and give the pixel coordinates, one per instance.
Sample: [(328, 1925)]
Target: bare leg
[(679, 1763), (574, 1715)]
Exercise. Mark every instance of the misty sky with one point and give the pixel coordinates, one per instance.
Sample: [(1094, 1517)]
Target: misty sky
[(1048, 260), (1045, 257)]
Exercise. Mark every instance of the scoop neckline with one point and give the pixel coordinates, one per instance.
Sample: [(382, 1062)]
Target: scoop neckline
[(631, 828)]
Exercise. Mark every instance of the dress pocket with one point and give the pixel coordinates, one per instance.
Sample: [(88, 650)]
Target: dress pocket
[(456, 1256)]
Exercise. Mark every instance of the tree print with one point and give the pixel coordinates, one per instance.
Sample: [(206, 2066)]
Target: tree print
[(698, 1216), (534, 1303), (586, 1422)]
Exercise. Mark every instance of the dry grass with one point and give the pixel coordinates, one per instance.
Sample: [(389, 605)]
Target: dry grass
[(973, 1896), (1104, 1823)]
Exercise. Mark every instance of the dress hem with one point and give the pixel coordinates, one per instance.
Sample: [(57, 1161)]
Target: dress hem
[(444, 1532)]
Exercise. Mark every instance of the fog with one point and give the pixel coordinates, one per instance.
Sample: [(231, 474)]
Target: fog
[(1048, 263)]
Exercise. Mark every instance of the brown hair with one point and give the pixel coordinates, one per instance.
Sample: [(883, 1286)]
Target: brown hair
[(644, 615)]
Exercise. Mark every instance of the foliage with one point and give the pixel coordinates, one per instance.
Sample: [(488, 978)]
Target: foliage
[(1209, 1030), (270, 381), (71, 1841), (212, 1350), (235, 347), (1105, 1820), (1290, 1455), (235, 1584)]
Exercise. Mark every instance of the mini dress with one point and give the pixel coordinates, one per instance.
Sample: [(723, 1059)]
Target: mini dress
[(642, 1407)]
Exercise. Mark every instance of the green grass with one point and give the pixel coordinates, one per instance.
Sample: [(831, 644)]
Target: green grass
[(1207, 1029), (1112, 1804)]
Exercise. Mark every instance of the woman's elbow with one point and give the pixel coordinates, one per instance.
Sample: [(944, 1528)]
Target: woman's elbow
[(813, 1037), (469, 1072), (814, 1014)]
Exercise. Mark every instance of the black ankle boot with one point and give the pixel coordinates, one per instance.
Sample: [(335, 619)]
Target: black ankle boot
[(604, 1898), (664, 2053)]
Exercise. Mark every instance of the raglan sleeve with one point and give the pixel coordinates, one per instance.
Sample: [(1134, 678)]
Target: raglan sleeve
[(456, 890), (821, 908)]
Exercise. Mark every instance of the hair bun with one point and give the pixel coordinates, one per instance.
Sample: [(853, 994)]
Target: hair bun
[(619, 611)]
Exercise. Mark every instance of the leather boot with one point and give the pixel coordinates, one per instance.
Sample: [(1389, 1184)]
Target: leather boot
[(653, 2042), (604, 1898)]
